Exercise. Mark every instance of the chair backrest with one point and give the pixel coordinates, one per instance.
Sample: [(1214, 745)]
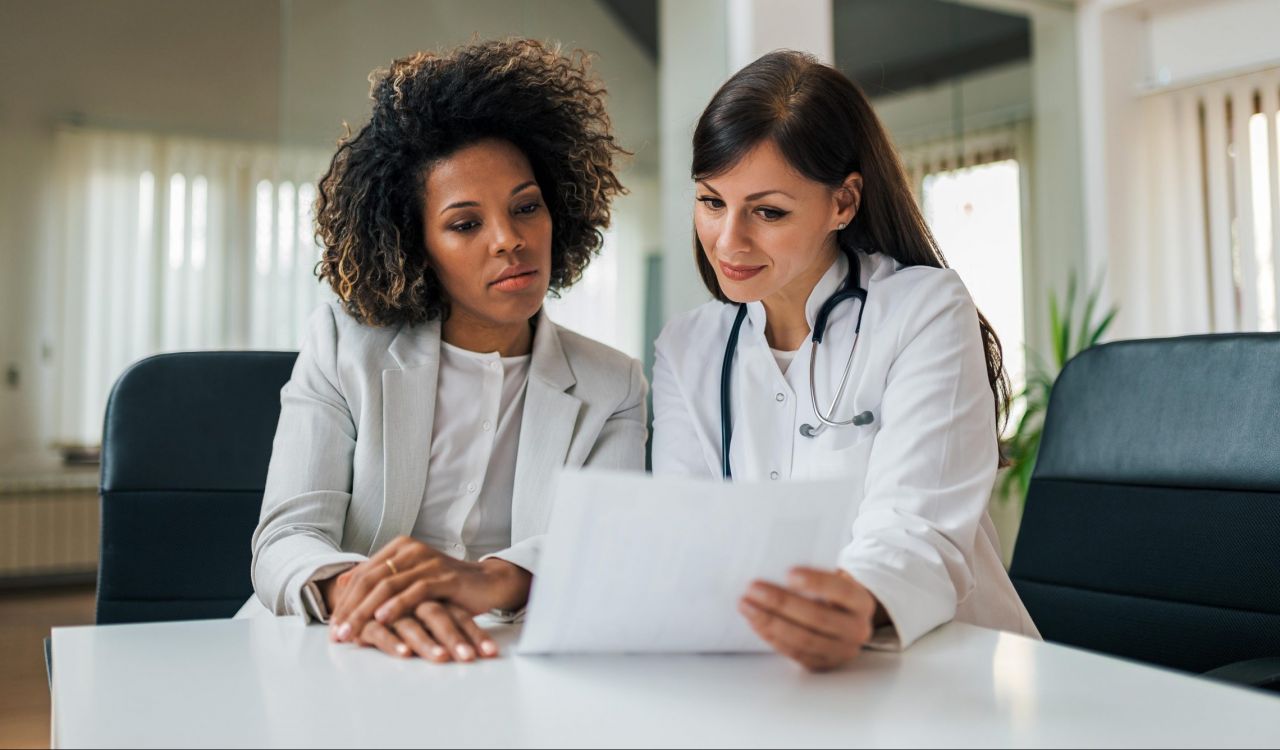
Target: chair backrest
[(1152, 526), (185, 449)]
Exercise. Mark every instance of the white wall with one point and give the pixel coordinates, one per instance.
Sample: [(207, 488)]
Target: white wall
[(330, 46), (1186, 41)]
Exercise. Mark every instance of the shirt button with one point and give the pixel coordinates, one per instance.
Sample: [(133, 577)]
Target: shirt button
[(781, 397), (487, 425), (773, 475), (494, 365), (471, 486)]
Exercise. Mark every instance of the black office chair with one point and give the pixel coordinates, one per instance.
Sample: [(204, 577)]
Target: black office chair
[(1152, 526), (184, 461)]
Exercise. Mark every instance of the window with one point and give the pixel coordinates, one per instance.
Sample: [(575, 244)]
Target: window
[(166, 244), (970, 189), (975, 214)]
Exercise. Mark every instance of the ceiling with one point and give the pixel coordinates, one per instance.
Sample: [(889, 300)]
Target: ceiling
[(889, 46)]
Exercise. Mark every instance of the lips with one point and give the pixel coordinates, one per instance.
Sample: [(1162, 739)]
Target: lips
[(739, 273), (515, 278)]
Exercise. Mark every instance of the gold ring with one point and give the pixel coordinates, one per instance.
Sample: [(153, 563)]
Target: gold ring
[(392, 565)]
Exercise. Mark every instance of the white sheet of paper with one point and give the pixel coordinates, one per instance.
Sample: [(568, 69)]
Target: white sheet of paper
[(634, 563)]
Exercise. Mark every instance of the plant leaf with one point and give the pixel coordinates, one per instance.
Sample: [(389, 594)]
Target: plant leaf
[(1055, 325), (1086, 320), (1103, 326)]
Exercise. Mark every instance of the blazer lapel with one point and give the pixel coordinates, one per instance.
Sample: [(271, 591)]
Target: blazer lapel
[(408, 416), (546, 431)]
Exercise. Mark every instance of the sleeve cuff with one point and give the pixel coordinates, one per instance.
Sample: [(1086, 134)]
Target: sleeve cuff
[(310, 601), (912, 611), (522, 554)]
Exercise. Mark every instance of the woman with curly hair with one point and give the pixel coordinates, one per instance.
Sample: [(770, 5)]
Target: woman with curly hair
[(432, 404)]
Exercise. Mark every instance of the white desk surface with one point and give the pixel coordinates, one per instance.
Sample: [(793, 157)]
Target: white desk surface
[(276, 682)]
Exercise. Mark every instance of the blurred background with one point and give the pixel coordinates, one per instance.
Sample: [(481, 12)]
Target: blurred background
[(158, 161)]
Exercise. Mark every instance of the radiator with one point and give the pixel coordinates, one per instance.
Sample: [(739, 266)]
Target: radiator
[(48, 526)]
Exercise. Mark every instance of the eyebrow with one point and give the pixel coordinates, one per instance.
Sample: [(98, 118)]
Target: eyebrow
[(753, 196), (473, 204)]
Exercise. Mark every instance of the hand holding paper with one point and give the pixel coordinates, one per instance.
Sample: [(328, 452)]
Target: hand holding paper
[(634, 563)]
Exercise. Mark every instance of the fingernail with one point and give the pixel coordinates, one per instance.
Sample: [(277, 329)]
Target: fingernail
[(382, 613), (402, 649), (438, 653), (344, 630), (489, 648), (464, 652)]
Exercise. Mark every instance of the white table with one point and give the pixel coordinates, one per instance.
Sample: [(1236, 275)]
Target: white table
[(276, 682)]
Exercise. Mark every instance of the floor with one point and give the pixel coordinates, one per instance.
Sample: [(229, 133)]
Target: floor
[(25, 620)]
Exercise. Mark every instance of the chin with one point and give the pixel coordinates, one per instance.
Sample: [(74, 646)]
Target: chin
[(519, 308), (742, 292)]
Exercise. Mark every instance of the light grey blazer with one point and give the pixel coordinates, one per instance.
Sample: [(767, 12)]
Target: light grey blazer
[(349, 463)]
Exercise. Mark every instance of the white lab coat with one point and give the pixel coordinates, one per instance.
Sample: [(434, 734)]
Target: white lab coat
[(920, 474)]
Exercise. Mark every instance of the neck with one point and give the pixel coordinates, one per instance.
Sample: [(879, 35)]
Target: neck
[(786, 325), (467, 332)]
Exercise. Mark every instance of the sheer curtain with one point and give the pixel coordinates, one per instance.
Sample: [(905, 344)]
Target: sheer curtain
[(168, 243)]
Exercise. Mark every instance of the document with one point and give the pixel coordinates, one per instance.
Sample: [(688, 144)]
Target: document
[(635, 563)]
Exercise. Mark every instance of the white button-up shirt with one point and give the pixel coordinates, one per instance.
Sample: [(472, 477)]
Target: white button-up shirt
[(466, 504)]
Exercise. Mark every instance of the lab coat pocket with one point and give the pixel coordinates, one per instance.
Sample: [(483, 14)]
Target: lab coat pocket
[(844, 451)]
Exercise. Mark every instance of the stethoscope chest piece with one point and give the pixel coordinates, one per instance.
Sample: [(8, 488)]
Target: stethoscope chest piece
[(859, 420)]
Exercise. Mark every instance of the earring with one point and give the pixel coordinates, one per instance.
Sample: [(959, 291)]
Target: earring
[(840, 226)]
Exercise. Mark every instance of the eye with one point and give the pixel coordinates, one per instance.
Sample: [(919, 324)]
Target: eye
[(771, 214), (711, 202), (529, 208), (464, 226)]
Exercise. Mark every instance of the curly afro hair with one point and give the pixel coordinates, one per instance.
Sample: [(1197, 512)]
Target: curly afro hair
[(426, 107)]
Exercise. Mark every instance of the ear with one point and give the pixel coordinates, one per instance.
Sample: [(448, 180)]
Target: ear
[(848, 199)]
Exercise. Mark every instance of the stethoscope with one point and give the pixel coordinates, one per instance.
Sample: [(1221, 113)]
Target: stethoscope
[(849, 289)]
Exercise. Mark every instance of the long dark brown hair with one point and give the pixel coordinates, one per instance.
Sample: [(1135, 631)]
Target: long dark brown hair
[(826, 129)]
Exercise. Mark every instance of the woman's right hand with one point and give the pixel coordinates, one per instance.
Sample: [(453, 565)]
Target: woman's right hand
[(436, 631)]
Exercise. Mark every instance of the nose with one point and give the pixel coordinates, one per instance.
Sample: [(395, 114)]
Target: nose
[(732, 238), (505, 237)]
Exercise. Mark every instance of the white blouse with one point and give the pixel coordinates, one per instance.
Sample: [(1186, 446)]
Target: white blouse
[(466, 505)]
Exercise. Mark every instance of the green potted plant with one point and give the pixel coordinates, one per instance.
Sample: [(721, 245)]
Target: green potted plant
[(1072, 330)]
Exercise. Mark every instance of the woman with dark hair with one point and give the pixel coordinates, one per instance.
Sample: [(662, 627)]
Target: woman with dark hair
[(433, 402), (807, 235)]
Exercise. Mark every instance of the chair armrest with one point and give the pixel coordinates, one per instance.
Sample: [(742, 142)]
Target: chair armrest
[(48, 661), (1260, 673)]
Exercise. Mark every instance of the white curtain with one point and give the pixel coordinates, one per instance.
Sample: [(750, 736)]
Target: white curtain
[(1207, 254), (171, 243)]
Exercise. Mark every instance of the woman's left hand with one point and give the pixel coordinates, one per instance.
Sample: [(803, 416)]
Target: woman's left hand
[(821, 619), (419, 573)]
